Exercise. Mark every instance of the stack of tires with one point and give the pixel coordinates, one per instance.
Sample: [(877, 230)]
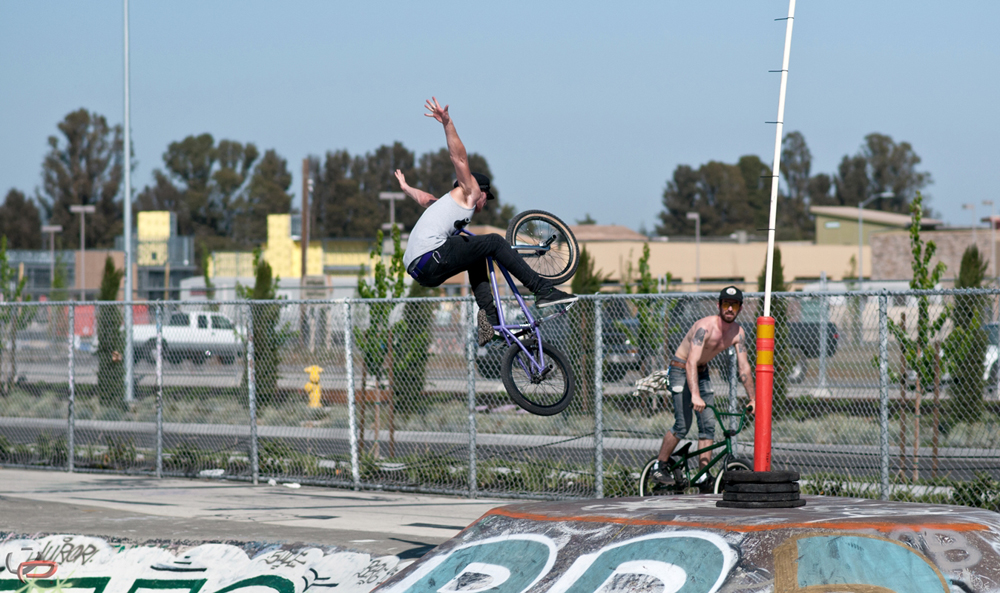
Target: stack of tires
[(760, 490)]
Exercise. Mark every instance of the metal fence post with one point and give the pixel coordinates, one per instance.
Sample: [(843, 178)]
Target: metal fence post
[(252, 396), (470, 355), (598, 399), (352, 420), (71, 442), (883, 391), (734, 404), (129, 349), (824, 319), (159, 391)]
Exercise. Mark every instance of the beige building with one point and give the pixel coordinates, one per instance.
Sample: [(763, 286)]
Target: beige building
[(893, 256), (719, 262), (838, 225)]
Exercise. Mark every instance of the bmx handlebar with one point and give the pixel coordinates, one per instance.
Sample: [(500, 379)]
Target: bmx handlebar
[(719, 415)]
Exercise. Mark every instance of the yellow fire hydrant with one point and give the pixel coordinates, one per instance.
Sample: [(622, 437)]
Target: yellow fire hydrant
[(312, 388)]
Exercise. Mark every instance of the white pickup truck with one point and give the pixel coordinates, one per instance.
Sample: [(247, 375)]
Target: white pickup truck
[(196, 335)]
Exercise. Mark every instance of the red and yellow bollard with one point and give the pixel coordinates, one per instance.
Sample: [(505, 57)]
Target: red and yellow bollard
[(765, 389)]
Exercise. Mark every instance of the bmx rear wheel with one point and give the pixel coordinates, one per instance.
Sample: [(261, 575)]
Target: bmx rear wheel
[(544, 393), (733, 465), (545, 243)]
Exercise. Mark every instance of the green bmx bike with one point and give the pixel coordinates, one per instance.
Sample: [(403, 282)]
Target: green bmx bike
[(689, 478)]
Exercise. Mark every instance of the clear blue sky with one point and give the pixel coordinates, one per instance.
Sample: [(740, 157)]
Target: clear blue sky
[(580, 107)]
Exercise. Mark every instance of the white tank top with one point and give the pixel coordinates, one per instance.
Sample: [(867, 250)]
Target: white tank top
[(434, 226)]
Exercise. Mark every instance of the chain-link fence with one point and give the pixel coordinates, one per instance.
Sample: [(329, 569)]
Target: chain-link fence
[(876, 394)]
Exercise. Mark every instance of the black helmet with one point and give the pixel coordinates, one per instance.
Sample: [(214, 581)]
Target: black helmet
[(484, 185), (731, 293)]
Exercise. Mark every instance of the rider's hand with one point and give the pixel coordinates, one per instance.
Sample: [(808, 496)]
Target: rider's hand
[(751, 407), (437, 112), (402, 180), (697, 403)]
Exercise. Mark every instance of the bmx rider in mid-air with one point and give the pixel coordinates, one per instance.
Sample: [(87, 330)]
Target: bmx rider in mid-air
[(435, 252), (689, 381)]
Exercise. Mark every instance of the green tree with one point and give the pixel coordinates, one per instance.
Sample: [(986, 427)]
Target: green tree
[(784, 353), (586, 220), (268, 333), (648, 334), (965, 348), (412, 344), (377, 342), (20, 221), (716, 190), (918, 353), (84, 167), (12, 317), (587, 280), (881, 165), (110, 339), (266, 194)]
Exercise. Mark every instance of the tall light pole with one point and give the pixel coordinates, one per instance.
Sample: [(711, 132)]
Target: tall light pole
[(52, 229), (82, 210), (861, 236), (972, 207), (129, 346), (993, 236), (696, 217)]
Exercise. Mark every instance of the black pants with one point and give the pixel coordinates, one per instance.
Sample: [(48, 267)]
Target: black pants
[(462, 253)]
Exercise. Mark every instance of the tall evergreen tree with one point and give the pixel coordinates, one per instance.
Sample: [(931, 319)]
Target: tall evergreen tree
[(84, 167)]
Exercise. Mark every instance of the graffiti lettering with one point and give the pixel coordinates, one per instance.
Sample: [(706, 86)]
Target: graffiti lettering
[(507, 564), (685, 562), (856, 563), (68, 552)]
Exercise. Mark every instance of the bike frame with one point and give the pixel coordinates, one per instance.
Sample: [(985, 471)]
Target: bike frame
[(512, 332), (726, 442)]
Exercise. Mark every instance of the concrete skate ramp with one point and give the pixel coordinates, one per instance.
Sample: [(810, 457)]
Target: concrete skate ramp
[(687, 545), (95, 565)]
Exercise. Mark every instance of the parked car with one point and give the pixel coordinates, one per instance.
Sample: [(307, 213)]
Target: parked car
[(197, 336)]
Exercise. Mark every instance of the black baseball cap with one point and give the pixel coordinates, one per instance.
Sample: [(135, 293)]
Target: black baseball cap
[(484, 185), (731, 293)]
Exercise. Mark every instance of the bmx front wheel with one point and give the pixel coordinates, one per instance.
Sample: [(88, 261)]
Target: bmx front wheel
[(544, 392), (733, 465), (545, 243)]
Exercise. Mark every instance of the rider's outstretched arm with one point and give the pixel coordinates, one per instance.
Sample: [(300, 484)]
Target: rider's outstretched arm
[(419, 196), (746, 372), (471, 195)]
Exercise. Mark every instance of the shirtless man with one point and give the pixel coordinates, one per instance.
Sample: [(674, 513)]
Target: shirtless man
[(688, 377)]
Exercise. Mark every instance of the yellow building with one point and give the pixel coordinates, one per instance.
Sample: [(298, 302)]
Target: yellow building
[(284, 252)]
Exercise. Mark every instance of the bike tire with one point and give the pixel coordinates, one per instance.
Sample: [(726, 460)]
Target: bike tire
[(646, 484), (733, 465), (558, 383), (559, 262)]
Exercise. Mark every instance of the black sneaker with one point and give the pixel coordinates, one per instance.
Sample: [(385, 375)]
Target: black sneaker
[(660, 476), (554, 297), (486, 332)]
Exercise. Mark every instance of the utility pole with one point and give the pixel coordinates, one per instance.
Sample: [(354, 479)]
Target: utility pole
[(306, 190), (129, 346), (392, 197), (52, 229), (82, 276)]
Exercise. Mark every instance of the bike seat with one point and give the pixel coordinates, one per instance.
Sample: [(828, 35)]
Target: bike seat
[(683, 451)]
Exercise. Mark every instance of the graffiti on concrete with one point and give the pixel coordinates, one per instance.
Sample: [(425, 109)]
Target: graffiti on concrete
[(859, 561), (92, 565), (687, 545)]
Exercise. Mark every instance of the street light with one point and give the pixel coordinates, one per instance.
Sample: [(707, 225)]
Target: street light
[(972, 207), (696, 217), (993, 236), (861, 237), (83, 247), (52, 229)]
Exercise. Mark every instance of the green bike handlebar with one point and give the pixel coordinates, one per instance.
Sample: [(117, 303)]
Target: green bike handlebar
[(719, 415)]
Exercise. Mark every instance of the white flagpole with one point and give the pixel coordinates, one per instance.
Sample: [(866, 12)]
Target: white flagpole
[(776, 167)]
